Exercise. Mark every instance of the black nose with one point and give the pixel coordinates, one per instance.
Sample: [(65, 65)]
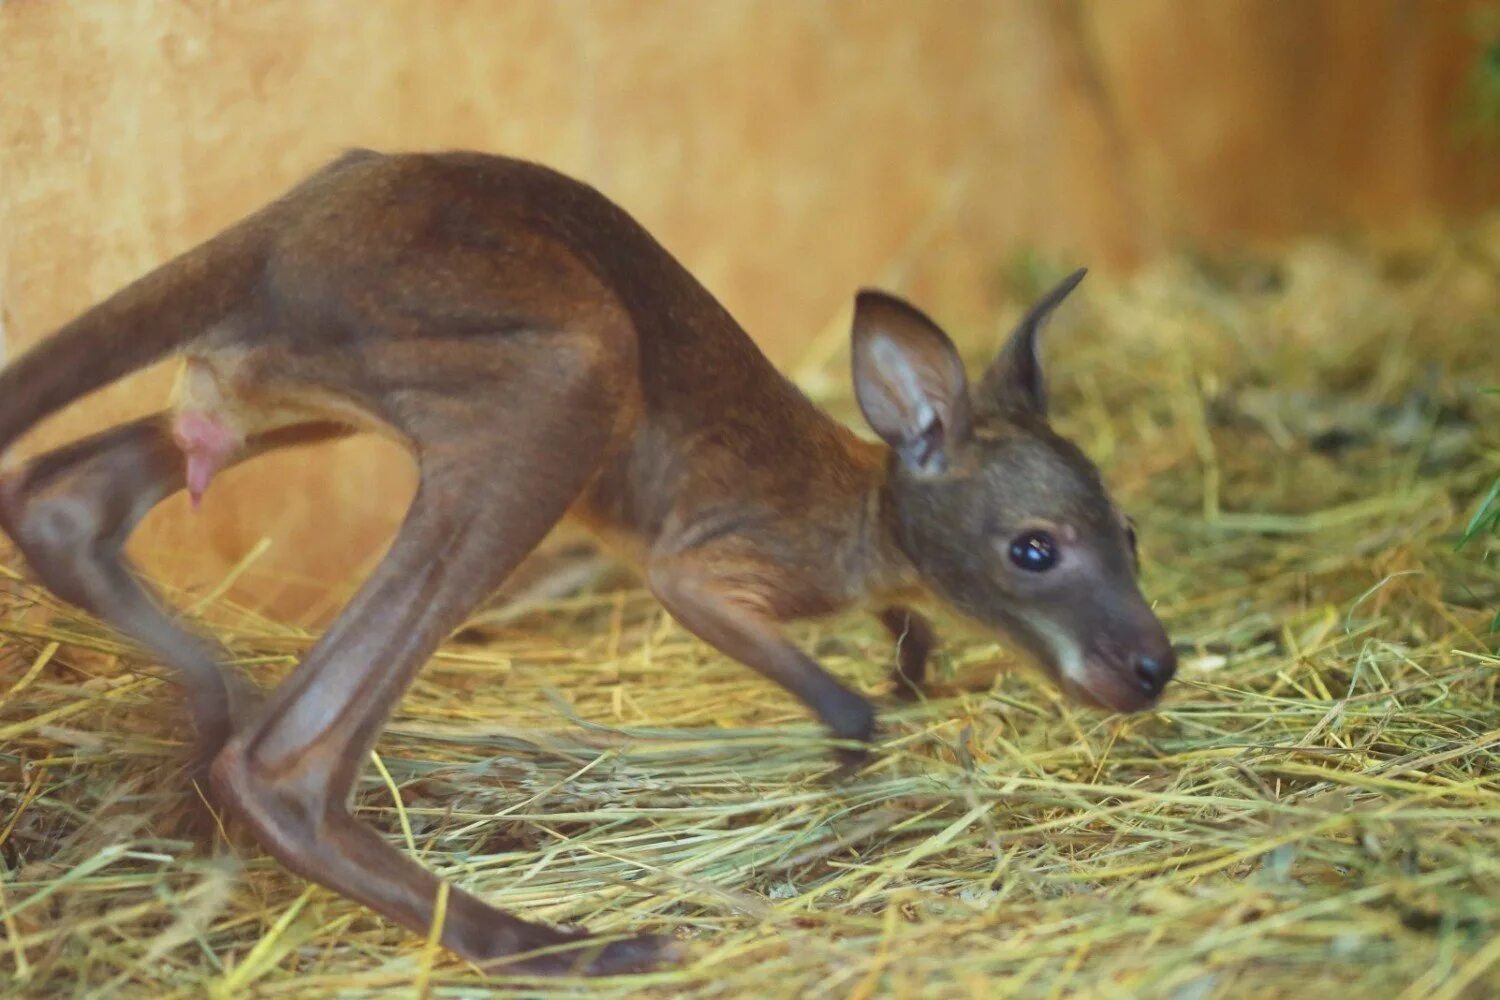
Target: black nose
[(1153, 672)]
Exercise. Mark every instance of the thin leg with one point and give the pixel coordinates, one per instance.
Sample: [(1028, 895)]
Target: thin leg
[(481, 506), (70, 512), (914, 642), (700, 591)]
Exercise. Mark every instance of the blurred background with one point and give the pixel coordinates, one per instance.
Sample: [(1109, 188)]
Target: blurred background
[(786, 152)]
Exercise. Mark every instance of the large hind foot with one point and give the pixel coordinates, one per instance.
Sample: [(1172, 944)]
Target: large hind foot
[(588, 955)]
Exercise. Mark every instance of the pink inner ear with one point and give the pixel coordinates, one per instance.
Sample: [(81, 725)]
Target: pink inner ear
[(208, 444)]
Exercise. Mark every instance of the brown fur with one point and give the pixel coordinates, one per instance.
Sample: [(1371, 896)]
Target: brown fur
[(542, 356)]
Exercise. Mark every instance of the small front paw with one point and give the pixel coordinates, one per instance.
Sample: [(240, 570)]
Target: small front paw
[(851, 717), (856, 724)]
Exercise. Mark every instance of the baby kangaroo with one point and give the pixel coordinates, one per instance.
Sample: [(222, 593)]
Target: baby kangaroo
[(543, 357)]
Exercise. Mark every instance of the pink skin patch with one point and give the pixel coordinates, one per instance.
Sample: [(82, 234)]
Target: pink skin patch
[(208, 444)]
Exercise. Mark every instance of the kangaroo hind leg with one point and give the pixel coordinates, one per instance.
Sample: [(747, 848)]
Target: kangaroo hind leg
[(499, 464), (71, 511)]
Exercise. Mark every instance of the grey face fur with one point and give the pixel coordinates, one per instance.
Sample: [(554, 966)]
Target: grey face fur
[(1006, 521)]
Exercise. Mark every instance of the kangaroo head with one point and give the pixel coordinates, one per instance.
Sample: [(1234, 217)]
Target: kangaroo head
[(1006, 521)]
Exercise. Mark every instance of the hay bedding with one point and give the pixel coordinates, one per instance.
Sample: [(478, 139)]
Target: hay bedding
[(1314, 808)]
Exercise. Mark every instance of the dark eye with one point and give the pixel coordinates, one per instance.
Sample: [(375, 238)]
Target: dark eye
[(1033, 551)]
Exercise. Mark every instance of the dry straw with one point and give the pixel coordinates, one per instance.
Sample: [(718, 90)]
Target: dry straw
[(1315, 808)]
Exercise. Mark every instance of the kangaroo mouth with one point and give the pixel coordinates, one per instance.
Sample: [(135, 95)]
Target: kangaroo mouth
[(1098, 675), (1109, 688)]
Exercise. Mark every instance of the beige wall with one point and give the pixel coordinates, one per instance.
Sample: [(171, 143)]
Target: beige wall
[(787, 151)]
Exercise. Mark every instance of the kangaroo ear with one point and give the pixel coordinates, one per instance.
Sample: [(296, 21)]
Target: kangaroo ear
[(1014, 380), (909, 381)]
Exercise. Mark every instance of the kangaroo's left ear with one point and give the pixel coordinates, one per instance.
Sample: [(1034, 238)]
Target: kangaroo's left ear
[(909, 381), (1014, 380)]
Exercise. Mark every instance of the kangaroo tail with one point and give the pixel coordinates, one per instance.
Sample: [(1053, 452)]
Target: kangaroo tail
[(142, 323)]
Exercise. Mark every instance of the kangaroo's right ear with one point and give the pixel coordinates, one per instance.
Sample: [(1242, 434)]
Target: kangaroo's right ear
[(909, 381), (1014, 380)]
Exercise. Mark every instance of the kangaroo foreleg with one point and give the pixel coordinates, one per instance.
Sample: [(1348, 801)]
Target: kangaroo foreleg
[(914, 641)]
